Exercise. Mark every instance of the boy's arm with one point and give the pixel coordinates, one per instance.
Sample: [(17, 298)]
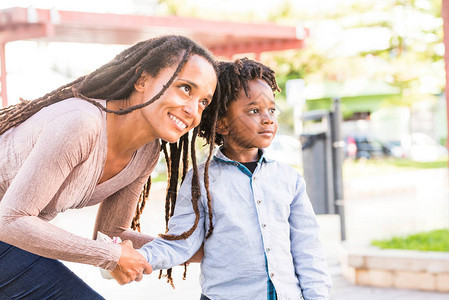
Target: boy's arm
[(308, 257), (164, 254)]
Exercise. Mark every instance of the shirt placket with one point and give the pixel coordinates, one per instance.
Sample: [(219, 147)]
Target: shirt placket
[(263, 220)]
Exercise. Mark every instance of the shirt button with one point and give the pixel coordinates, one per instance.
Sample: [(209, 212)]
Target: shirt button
[(264, 225), (254, 178), (271, 275), (259, 201), (268, 250)]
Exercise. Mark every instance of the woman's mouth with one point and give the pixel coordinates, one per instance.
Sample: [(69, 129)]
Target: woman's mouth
[(180, 124)]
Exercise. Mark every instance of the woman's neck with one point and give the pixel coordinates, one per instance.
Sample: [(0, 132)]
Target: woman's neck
[(125, 134)]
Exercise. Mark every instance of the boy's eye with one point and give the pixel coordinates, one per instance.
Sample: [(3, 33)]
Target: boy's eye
[(254, 111), (272, 110)]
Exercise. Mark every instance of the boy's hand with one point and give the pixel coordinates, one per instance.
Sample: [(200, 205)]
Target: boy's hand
[(131, 265)]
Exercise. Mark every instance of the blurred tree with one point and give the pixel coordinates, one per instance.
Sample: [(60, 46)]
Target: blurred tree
[(406, 44), (398, 42)]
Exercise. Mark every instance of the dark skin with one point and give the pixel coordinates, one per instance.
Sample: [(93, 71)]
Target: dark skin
[(249, 123), (177, 111)]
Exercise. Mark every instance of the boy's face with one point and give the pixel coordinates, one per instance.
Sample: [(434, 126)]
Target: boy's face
[(250, 122)]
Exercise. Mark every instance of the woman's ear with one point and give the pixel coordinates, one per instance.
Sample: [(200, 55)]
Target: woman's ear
[(140, 82), (222, 126)]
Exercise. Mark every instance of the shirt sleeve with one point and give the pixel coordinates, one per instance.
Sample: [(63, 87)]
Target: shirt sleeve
[(63, 143), (115, 213), (164, 254), (308, 255)]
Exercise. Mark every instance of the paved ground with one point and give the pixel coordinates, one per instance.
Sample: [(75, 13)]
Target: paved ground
[(376, 207)]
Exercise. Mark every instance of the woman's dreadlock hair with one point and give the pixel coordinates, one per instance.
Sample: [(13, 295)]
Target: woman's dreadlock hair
[(114, 81), (232, 78)]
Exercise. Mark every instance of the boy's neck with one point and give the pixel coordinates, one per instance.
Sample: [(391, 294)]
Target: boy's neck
[(241, 155)]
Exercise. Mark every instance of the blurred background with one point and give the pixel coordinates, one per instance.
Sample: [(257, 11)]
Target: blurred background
[(374, 69)]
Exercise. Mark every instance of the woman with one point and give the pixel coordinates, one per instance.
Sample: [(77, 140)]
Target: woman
[(95, 140)]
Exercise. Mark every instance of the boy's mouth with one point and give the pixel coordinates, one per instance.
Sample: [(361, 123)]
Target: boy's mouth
[(267, 133)]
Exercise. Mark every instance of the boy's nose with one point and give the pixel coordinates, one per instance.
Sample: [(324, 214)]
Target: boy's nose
[(267, 119)]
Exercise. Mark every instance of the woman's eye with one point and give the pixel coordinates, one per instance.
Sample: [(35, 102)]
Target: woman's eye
[(186, 88), (204, 103)]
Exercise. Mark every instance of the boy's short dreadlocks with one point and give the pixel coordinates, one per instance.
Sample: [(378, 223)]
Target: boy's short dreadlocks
[(232, 78)]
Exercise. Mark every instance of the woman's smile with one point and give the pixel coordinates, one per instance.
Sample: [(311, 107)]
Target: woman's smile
[(179, 123)]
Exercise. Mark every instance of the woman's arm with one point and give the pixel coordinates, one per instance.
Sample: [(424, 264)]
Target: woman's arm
[(308, 257), (115, 213), (62, 144)]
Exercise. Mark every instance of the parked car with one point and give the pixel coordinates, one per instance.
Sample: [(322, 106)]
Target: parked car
[(364, 147), (394, 149), (421, 147), (350, 147)]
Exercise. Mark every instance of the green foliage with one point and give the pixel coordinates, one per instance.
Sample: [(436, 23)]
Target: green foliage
[(390, 165), (411, 60), (436, 240), (160, 177), (407, 163), (295, 64), (285, 118)]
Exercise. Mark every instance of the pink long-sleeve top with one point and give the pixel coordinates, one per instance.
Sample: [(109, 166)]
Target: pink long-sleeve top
[(52, 162)]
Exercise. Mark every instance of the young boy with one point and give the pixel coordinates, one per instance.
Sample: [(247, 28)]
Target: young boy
[(265, 242)]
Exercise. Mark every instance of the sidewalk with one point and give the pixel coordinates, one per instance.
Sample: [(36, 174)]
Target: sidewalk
[(376, 207)]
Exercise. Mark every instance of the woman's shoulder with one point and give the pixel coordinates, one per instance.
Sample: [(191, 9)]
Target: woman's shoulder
[(152, 149), (79, 108), (75, 113), (148, 155)]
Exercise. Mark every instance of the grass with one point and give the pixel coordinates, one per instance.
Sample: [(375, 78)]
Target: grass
[(435, 240), (407, 163), (360, 168)]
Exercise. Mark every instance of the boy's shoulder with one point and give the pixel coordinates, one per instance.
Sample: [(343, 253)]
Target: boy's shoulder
[(283, 168)]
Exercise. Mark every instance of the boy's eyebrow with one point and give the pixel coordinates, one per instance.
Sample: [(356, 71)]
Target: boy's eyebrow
[(195, 86), (258, 102)]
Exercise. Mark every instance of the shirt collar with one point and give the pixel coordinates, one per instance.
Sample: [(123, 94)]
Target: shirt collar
[(220, 156)]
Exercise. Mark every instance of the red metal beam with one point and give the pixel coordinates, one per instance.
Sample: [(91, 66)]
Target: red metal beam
[(221, 37), (3, 93), (255, 47), (210, 32), (27, 31), (445, 15)]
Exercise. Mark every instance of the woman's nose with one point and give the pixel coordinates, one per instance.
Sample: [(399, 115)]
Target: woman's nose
[(191, 109)]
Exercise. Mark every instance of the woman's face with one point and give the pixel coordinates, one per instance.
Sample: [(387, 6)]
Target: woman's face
[(179, 109)]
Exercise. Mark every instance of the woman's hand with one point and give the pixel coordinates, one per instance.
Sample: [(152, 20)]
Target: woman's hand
[(198, 256), (131, 265)]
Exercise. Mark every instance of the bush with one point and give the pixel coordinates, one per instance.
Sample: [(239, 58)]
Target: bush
[(436, 240)]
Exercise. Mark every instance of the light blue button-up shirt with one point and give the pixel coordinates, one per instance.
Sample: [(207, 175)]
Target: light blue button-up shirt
[(264, 227)]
